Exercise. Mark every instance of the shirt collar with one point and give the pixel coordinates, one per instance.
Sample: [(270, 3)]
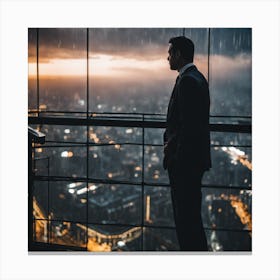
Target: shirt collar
[(184, 68)]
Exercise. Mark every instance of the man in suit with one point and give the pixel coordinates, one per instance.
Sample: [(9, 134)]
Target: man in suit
[(187, 144)]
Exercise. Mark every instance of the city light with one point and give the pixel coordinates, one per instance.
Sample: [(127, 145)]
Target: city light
[(82, 191), (67, 154), (237, 155), (129, 131)]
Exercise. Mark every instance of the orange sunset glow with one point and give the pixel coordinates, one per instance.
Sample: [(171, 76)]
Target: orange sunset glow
[(102, 65)]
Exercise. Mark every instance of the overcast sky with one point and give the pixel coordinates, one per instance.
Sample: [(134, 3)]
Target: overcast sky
[(140, 43)]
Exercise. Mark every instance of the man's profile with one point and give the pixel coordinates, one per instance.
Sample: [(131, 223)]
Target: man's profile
[(187, 144)]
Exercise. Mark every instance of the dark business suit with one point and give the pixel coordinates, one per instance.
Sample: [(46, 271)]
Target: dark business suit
[(188, 155)]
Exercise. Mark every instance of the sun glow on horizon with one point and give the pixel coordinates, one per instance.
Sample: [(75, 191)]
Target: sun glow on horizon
[(101, 65)]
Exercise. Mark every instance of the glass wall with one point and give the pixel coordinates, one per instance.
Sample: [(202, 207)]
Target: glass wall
[(231, 71), (106, 187)]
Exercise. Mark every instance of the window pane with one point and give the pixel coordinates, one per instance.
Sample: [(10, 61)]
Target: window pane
[(116, 162), (159, 239), (229, 240), (63, 161), (199, 36), (115, 204), (129, 71), (229, 209), (41, 231), (154, 136), (231, 71), (70, 234), (68, 201), (230, 167), (62, 69), (158, 206), (154, 172), (40, 200)]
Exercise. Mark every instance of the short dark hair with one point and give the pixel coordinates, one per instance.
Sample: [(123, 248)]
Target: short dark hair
[(184, 45)]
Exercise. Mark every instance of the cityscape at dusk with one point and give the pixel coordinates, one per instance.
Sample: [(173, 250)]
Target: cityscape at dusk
[(103, 187)]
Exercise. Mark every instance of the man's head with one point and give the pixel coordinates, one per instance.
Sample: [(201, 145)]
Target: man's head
[(181, 51)]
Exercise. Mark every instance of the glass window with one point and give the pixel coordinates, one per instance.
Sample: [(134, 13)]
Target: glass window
[(63, 161), (229, 209), (129, 71), (69, 234), (160, 239), (62, 69), (229, 240), (158, 206), (116, 162), (128, 75), (115, 204), (231, 71), (231, 166), (154, 172), (68, 201)]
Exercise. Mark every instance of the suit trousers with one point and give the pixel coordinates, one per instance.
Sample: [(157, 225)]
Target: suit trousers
[(186, 199)]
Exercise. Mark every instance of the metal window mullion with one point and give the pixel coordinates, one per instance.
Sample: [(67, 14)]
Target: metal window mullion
[(208, 65), (48, 194), (37, 69), (87, 144), (142, 185)]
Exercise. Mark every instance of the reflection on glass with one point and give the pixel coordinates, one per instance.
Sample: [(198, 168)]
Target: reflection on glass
[(158, 206), (115, 204), (160, 239), (231, 71), (62, 69)]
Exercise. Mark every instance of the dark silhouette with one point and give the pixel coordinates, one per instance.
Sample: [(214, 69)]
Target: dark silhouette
[(187, 144)]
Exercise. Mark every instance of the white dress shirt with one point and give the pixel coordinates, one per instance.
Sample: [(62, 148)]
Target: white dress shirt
[(184, 68)]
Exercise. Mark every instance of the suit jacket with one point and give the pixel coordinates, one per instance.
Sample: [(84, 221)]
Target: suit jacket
[(187, 134)]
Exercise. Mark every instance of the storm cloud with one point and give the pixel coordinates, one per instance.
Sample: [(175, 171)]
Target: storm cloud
[(137, 43)]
